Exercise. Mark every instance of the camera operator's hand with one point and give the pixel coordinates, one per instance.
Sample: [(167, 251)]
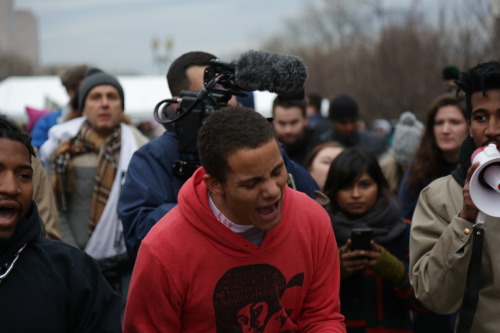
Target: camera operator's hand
[(359, 259), (469, 210)]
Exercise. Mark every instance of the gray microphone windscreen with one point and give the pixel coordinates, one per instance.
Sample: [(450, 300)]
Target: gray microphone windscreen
[(280, 73)]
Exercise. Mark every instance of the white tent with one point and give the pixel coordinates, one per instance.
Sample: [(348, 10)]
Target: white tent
[(46, 92), (142, 93)]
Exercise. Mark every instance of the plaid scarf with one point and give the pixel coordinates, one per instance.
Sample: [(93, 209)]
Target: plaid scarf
[(63, 179)]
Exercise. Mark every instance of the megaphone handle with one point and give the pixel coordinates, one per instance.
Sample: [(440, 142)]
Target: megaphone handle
[(480, 217), (473, 281)]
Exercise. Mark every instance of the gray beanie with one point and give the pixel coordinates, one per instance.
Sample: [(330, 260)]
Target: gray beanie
[(406, 139), (96, 77)]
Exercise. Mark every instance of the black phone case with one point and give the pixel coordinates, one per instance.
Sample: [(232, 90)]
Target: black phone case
[(361, 238)]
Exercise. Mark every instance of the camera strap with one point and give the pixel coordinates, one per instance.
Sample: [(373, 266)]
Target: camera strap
[(471, 293)]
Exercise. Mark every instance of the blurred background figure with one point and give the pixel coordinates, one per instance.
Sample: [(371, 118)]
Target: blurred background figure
[(316, 120), (147, 129), (291, 125), (446, 128), (384, 128), (344, 115), (361, 124), (450, 74), (71, 80), (319, 160), (406, 139)]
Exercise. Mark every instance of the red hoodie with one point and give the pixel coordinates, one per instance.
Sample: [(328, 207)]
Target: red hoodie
[(193, 274)]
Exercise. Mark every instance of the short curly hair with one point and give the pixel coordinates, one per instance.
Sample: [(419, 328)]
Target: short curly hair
[(227, 130), (482, 77), (8, 130)]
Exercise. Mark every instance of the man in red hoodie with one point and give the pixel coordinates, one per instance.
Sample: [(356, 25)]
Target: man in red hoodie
[(242, 252)]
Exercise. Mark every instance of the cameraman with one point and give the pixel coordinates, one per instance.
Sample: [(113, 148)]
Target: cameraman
[(151, 186)]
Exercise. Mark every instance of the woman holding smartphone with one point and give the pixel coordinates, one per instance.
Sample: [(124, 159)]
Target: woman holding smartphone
[(375, 292)]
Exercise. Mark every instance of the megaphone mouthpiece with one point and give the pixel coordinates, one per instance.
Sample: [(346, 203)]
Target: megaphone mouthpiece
[(491, 176), (485, 181)]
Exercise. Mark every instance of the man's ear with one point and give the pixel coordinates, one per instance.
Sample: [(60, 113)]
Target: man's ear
[(213, 184), (306, 121)]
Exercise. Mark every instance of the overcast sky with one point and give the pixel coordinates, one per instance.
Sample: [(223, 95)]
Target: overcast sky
[(116, 34)]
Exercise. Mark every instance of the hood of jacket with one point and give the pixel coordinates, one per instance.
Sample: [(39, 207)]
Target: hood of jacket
[(28, 229), (195, 209)]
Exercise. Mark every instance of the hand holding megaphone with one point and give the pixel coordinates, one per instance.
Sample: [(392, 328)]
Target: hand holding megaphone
[(485, 181)]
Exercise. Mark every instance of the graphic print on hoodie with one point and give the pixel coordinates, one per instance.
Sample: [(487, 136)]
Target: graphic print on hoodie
[(248, 299)]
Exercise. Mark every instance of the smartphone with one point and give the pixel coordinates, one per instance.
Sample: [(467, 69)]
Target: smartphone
[(361, 238)]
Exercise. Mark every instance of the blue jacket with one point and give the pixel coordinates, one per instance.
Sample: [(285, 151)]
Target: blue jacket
[(407, 198), (40, 132), (151, 187)]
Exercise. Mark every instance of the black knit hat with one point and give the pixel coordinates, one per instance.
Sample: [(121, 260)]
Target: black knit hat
[(96, 77), (342, 107)]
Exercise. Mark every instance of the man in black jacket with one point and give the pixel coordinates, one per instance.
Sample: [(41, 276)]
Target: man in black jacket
[(45, 285), (343, 112)]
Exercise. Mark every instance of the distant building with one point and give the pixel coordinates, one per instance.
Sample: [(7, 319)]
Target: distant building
[(19, 32)]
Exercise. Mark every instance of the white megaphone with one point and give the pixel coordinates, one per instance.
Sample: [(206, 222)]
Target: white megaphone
[(485, 181)]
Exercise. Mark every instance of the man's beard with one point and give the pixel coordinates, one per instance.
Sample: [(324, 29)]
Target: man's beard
[(494, 141), (293, 140)]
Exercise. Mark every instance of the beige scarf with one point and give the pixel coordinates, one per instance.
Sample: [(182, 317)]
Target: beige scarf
[(63, 181)]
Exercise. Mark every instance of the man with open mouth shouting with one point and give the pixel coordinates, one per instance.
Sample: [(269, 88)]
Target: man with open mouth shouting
[(242, 251), (45, 285)]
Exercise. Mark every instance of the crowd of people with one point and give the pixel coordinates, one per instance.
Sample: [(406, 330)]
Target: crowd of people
[(306, 222)]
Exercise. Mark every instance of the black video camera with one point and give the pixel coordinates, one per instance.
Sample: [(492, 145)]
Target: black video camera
[(195, 107), (254, 70)]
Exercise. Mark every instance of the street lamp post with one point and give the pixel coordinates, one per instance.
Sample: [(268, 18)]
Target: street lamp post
[(161, 58)]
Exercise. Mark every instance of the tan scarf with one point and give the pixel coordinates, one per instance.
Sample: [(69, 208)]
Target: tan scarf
[(63, 181)]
